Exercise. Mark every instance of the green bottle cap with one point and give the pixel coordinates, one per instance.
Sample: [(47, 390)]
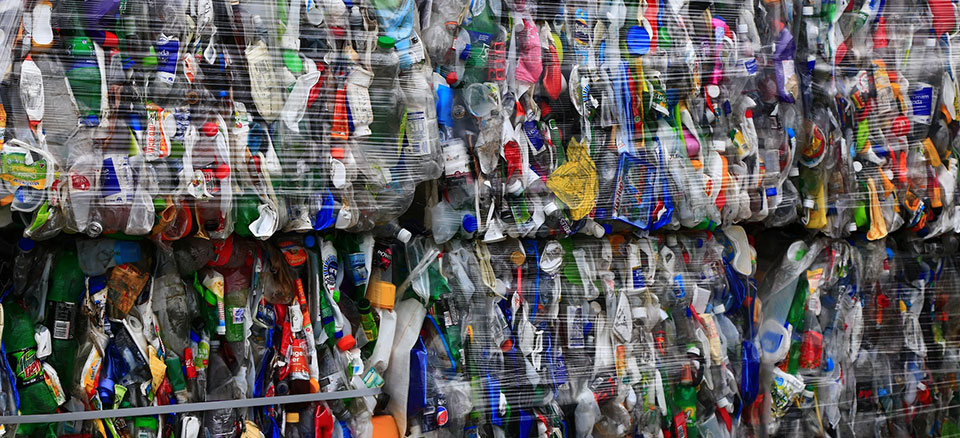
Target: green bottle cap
[(386, 42)]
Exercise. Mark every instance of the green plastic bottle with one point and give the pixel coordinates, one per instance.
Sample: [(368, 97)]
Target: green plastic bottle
[(36, 397), (84, 77), (483, 29), (66, 287)]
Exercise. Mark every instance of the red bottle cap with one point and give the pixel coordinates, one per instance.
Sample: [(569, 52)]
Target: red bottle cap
[(346, 342)]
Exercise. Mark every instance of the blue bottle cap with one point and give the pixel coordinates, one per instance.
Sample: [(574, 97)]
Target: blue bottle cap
[(638, 41), (309, 241), (469, 223), (126, 252), (194, 337), (91, 120), (97, 283), (829, 365), (26, 244), (465, 53), (607, 228), (222, 94)]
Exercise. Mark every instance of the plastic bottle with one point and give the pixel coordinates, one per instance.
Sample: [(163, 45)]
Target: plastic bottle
[(84, 77), (292, 425), (380, 147), (368, 321), (67, 284), (484, 29), (36, 395)]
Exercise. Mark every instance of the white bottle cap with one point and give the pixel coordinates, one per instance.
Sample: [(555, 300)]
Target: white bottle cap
[(550, 208), (807, 11), (598, 230), (794, 171), (719, 145), (852, 226), (404, 235), (930, 42), (742, 28), (809, 203), (723, 403), (719, 309), (671, 240), (713, 91), (857, 166), (515, 187)]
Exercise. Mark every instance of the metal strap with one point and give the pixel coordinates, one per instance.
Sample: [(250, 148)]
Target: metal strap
[(186, 407)]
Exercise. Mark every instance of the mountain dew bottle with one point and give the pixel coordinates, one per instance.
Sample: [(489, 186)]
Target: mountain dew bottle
[(36, 397)]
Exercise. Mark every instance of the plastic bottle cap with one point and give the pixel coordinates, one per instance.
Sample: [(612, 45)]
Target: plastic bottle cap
[(807, 11), (852, 226), (404, 235), (809, 203), (598, 230), (742, 28), (550, 208), (857, 166), (829, 365), (26, 244), (469, 223), (930, 42), (723, 403), (126, 252), (363, 306), (452, 78), (671, 239), (293, 417), (713, 91), (209, 129), (515, 187), (309, 241), (386, 42), (346, 343), (92, 120)]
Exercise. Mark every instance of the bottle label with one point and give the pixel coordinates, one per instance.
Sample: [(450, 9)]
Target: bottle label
[(417, 132), (63, 315), (117, 184), (454, 158), (29, 370), (358, 267), (750, 66), (532, 131), (922, 101)]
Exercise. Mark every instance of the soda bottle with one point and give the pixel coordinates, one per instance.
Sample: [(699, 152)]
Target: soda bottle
[(66, 287)]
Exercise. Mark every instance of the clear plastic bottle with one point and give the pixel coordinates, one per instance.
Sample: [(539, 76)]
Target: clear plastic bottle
[(380, 148)]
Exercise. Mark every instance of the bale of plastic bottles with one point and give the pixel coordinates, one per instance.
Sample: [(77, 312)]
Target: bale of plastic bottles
[(484, 218)]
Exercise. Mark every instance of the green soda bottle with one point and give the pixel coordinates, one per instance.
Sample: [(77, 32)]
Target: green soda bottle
[(36, 397), (66, 287)]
